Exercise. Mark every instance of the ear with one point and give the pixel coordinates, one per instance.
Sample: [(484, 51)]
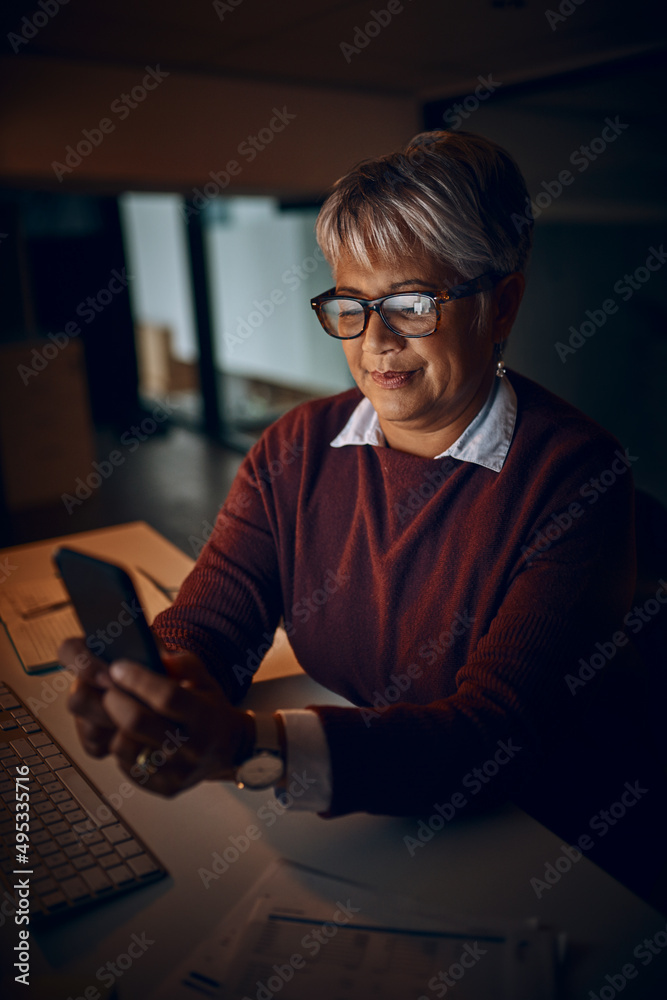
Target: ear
[(506, 301)]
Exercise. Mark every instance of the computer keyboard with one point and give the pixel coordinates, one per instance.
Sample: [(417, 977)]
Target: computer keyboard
[(80, 850)]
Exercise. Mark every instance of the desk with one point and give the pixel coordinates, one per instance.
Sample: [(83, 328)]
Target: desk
[(478, 867)]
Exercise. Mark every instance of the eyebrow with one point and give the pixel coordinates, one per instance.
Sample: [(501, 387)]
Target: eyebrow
[(394, 285)]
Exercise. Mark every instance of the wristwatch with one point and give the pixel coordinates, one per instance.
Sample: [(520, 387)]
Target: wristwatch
[(266, 765)]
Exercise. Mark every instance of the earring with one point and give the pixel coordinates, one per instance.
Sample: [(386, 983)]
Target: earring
[(500, 367)]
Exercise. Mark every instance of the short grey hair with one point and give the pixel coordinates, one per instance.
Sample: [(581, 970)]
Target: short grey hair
[(456, 197)]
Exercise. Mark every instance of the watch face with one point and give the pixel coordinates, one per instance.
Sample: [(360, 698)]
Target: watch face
[(260, 771)]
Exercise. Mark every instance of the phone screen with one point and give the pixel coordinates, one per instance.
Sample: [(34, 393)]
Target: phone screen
[(109, 609)]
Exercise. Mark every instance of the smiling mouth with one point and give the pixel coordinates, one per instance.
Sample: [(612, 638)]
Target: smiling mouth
[(393, 379)]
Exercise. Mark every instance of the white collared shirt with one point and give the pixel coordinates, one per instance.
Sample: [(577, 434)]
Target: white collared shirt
[(485, 441)]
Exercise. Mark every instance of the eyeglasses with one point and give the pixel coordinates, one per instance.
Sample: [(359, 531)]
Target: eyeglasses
[(409, 314)]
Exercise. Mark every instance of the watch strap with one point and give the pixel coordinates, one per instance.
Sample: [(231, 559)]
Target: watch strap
[(267, 735)]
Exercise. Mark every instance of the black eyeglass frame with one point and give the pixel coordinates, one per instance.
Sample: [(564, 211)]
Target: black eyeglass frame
[(482, 283)]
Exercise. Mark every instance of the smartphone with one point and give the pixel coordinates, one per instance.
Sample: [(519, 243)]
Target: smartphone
[(109, 609)]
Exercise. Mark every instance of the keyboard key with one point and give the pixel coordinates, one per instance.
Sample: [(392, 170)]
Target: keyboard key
[(31, 727), (116, 833), (57, 761), (97, 880), (48, 847), (89, 800), (60, 796), (40, 836), (64, 871), (8, 724), (21, 747), (76, 816), (142, 865), (38, 769), (85, 827), (32, 760), (8, 701), (108, 860), (83, 861), (51, 785), (5, 751), (51, 817), (74, 849), (64, 839), (55, 860), (58, 828), (98, 849), (128, 849), (92, 838), (40, 739), (120, 874), (75, 888), (68, 806), (47, 750)]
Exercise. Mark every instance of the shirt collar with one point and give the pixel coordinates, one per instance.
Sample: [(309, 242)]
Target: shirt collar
[(485, 441)]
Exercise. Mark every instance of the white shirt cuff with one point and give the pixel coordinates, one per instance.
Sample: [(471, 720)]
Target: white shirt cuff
[(308, 766)]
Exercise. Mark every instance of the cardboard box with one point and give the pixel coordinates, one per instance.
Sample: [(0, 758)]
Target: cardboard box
[(160, 373), (46, 437)]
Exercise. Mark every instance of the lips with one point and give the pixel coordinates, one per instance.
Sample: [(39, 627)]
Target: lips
[(392, 379)]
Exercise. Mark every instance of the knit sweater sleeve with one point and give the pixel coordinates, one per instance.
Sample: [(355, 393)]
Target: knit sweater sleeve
[(229, 606), (571, 582)]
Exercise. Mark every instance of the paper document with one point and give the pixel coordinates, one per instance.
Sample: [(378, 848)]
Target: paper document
[(302, 935), (37, 615), (35, 596), (36, 640)]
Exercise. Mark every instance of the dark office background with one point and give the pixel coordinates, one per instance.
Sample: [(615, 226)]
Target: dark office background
[(551, 81)]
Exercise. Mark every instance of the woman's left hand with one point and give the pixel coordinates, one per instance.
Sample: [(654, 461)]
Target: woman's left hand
[(184, 723)]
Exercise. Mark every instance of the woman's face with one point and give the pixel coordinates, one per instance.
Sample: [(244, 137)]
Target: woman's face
[(445, 377)]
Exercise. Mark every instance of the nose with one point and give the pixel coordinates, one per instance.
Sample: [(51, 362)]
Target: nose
[(378, 338)]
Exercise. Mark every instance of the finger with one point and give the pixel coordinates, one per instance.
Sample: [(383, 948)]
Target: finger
[(165, 759), (94, 739), (135, 720), (126, 749), (163, 694), (166, 779), (85, 701), (75, 655)]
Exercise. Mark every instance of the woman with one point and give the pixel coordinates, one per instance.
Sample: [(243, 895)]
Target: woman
[(438, 541)]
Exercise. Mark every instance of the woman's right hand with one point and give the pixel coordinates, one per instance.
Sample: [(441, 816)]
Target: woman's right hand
[(95, 728)]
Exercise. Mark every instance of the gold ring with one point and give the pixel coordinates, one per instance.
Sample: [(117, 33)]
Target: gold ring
[(142, 757)]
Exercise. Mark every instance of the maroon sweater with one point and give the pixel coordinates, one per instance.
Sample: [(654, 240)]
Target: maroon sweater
[(458, 596)]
